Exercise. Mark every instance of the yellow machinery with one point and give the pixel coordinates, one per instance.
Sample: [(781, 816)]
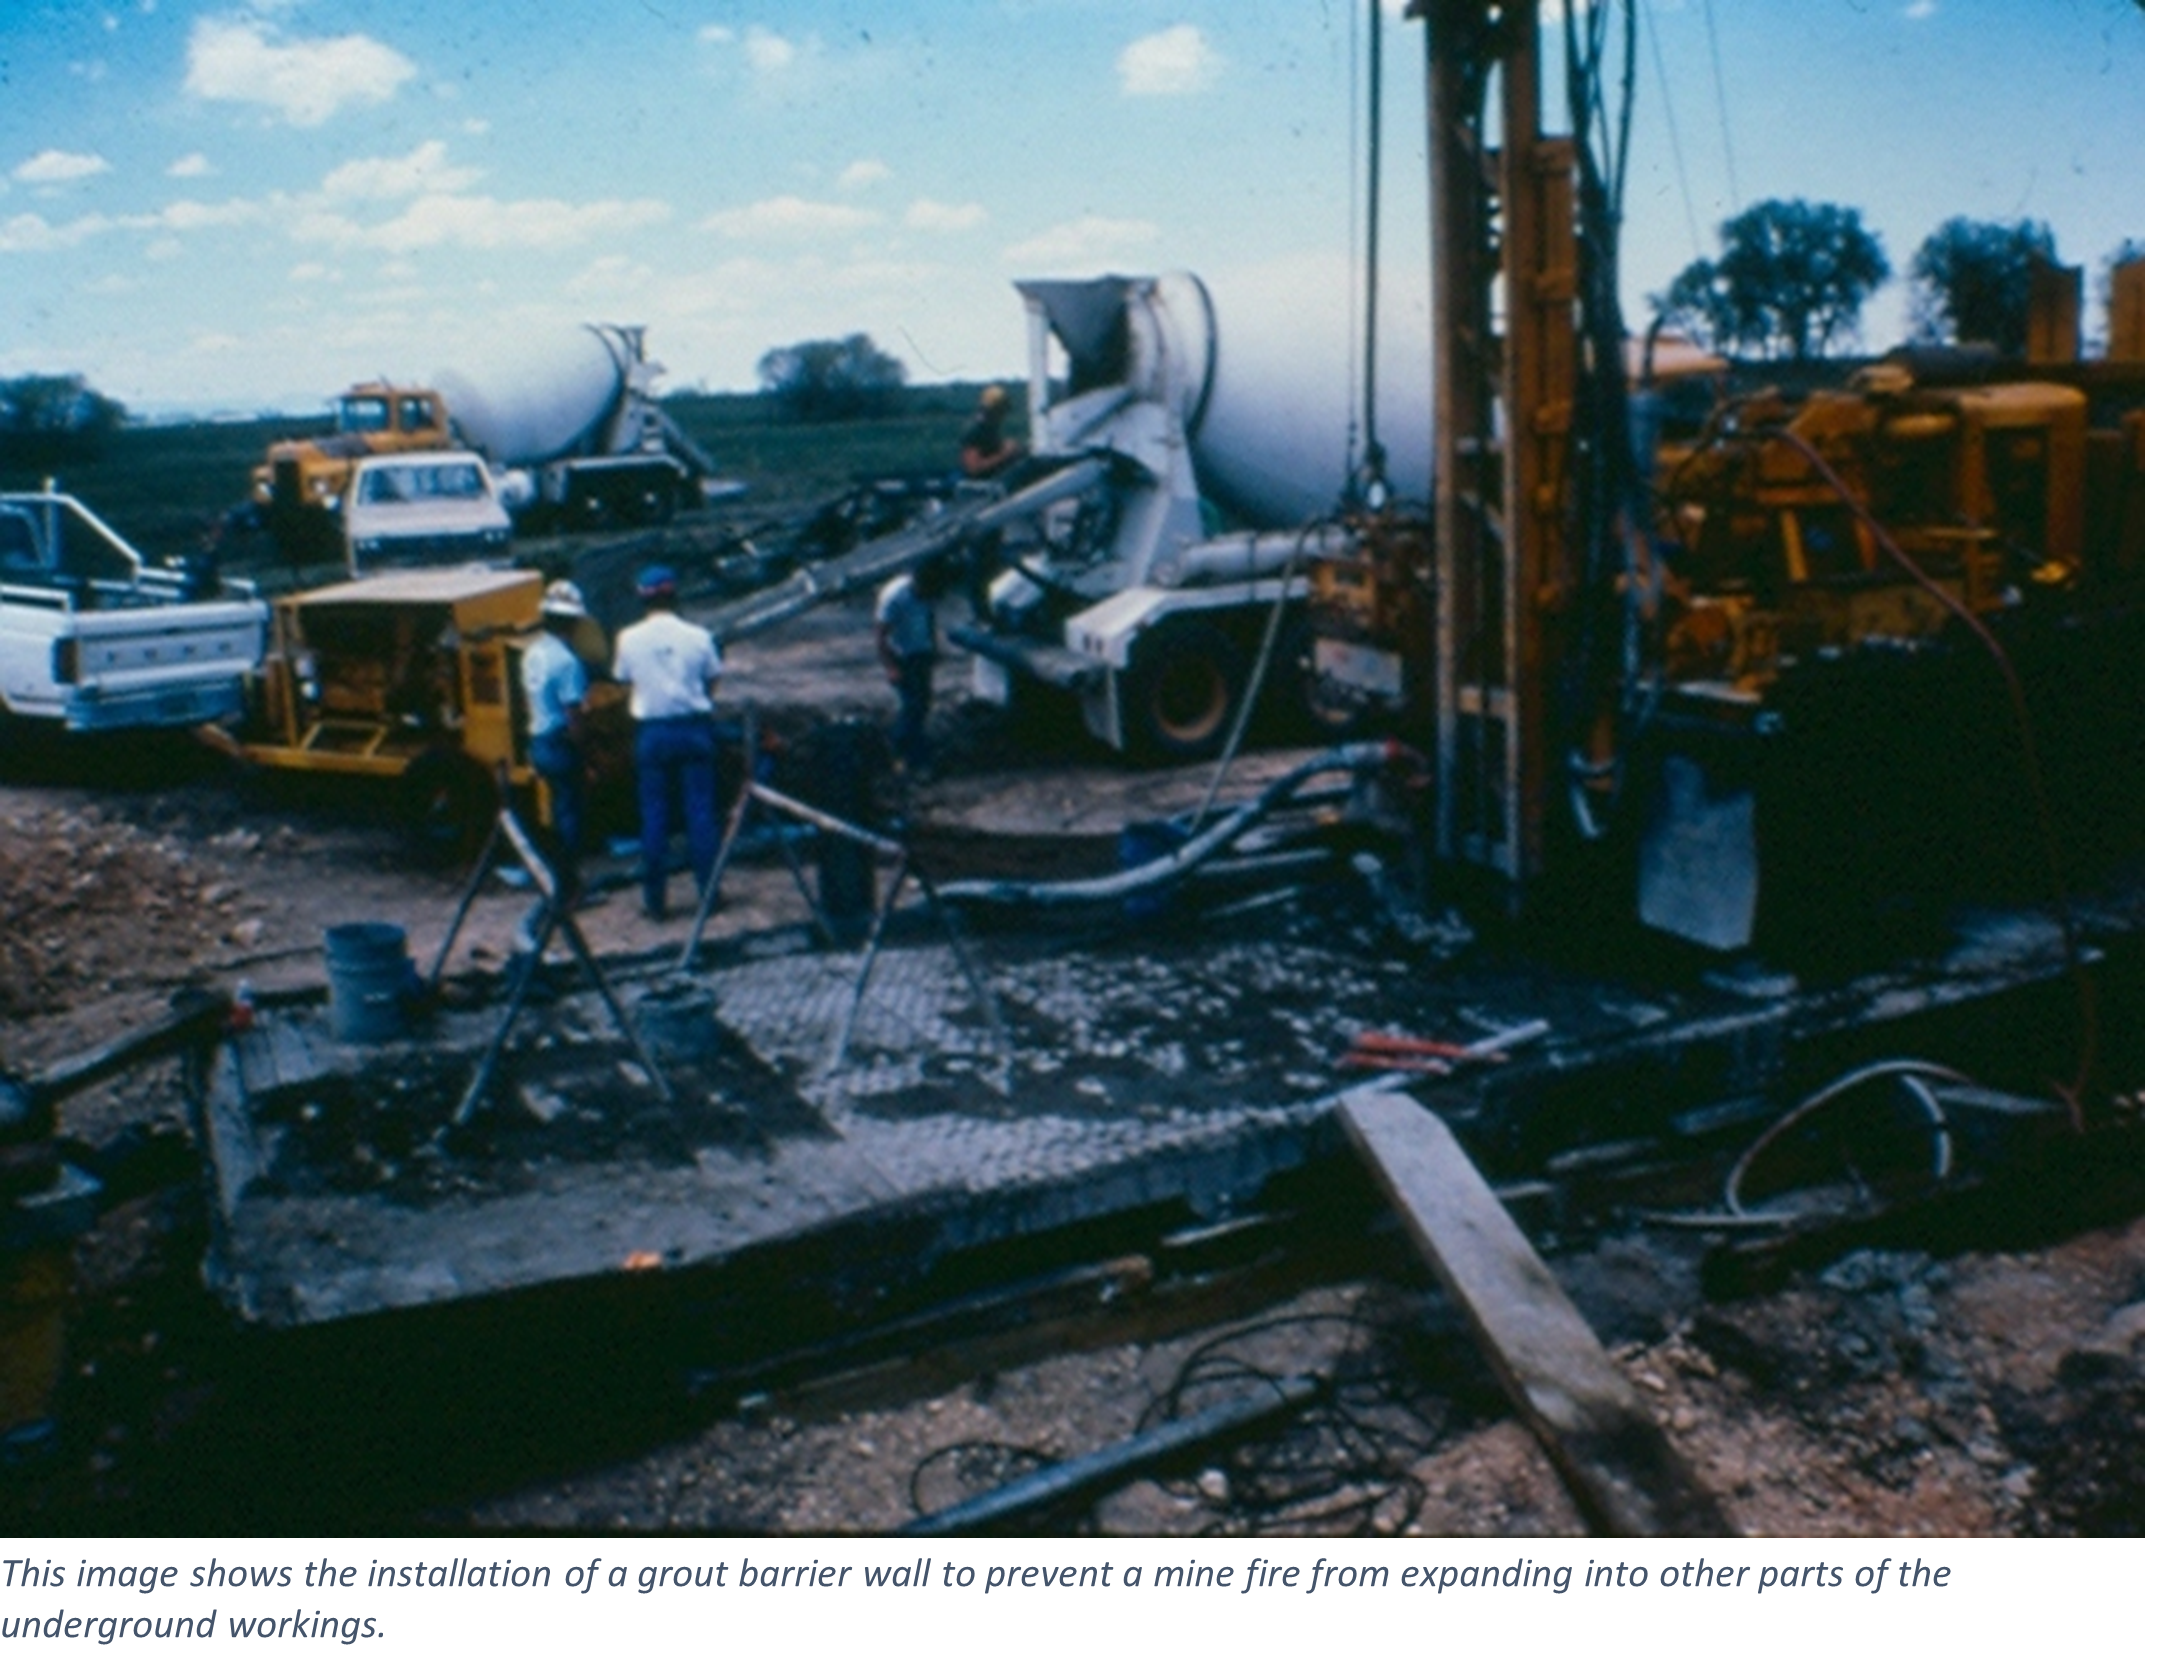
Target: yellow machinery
[(1644, 673), (414, 678), (299, 484), (1771, 522)]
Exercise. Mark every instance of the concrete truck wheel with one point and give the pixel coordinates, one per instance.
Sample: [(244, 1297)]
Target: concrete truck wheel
[(1180, 694)]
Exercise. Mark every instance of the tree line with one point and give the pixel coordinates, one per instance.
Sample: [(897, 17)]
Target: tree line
[(1793, 276), (51, 419)]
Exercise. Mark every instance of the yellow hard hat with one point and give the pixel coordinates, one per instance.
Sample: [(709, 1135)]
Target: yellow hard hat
[(994, 396)]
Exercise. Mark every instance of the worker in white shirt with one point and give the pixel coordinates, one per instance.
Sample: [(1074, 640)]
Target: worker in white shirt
[(555, 687), (906, 643), (671, 667)]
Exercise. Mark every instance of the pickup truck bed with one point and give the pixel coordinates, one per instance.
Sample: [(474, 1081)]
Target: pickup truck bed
[(93, 639)]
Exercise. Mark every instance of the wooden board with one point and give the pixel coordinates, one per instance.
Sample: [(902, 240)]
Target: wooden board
[(1606, 1445)]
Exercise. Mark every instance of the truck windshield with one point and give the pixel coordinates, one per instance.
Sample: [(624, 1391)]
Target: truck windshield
[(387, 485), (363, 414)]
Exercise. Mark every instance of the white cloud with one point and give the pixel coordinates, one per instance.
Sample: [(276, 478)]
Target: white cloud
[(791, 216), (60, 167), (309, 270), (1174, 61), (476, 126), (1919, 10), (945, 215), (163, 249), (425, 171), (610, 276), (29, 233), (715, 34), (768, 52), (185, 215), (1082, 241), (483, 222), (860, 174), (305, 81), (112, 282), (191, 166)]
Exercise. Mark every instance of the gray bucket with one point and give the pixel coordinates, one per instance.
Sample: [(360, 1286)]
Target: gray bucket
[(370, 978), (679, 1021)]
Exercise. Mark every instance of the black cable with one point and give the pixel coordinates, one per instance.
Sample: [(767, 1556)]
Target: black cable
[(1373, 453), (1344, 1466)]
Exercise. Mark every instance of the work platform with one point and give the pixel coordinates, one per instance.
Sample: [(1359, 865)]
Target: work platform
[(1147, 1068)]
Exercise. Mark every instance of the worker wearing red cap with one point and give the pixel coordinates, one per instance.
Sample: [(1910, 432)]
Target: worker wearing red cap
[(671, 666)]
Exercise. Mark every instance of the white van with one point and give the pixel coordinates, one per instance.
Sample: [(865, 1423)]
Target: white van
[(407, 511)]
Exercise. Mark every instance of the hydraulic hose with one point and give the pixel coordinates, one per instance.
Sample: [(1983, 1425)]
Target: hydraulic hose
[(1354, 756)]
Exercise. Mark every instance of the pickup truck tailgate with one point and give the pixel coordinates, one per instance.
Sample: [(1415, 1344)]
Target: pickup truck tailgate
[(121, 650)]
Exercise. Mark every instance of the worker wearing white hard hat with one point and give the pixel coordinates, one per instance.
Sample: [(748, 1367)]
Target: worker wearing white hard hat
[(555, 687)]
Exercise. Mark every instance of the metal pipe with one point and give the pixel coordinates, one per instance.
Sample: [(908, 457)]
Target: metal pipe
[(1354, 756), (1110, 1468)]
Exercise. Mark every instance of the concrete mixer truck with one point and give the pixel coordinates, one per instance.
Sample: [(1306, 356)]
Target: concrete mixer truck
[(568, 423), (1192, 446), (1219, 417)]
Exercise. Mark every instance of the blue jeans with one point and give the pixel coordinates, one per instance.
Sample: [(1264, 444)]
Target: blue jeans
[(674, 761), (561, 767), (910, 735)]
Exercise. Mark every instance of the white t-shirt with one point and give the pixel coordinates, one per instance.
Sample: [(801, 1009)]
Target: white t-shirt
[(668, 664), (908, 619)]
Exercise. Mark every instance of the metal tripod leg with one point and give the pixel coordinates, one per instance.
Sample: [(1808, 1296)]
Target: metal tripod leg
[(868, 961), (974, 979), (527, 970), (528, 966), (709, 896), (464, 904)]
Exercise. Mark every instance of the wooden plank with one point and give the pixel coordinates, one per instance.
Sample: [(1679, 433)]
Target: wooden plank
[(194, 1022), (1604, 1442)]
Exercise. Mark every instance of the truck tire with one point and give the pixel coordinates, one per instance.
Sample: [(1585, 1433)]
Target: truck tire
[(448, 805), (1180, 692)]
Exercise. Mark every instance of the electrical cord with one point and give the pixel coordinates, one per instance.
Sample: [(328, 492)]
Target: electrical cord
[(1342, 1466), (1910, 1073)]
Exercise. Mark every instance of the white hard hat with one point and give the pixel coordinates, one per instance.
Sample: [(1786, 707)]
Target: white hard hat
[(564, 598)]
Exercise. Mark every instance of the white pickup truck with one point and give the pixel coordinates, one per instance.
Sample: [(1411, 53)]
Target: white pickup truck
[(94, 638), (422, 510)]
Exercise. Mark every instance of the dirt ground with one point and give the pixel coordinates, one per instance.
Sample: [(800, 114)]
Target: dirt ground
[(1891, 1393)]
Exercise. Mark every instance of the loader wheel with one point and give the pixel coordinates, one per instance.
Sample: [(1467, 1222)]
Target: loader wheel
[(448, 806), (1179, 696)]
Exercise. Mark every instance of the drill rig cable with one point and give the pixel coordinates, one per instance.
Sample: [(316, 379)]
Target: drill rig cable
[(2026, 740), (1722, 102), (1607, 497), (1234, 744), (1373, 462), (1677, 152)]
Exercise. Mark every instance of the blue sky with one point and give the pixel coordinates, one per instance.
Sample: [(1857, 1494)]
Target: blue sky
[(232, 204)]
